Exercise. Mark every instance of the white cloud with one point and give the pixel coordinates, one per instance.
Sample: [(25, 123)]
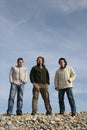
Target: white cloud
[(73, 5), (68, 5)]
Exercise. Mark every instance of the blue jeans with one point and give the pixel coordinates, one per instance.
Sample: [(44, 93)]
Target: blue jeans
[(13, 90), (70, 98)]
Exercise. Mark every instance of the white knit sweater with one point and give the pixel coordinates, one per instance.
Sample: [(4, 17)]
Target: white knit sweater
[(64, 77), (18, 75)]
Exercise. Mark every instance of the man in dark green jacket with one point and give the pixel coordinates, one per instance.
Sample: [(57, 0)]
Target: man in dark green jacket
[(39, 77)]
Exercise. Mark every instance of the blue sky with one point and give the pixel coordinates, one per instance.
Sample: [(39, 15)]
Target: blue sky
[(48, 28)]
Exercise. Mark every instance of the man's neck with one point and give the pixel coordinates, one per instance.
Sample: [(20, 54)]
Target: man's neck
[(61, 67)]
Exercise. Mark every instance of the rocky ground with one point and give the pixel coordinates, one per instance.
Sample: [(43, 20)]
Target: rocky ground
[(42, 122)]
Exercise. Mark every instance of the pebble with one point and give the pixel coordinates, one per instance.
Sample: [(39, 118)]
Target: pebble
[(40, 121)]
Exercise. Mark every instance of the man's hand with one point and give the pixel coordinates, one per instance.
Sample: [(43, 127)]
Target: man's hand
[(69, 81)]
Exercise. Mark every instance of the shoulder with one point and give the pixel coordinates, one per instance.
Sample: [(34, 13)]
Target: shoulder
[(13, 67), (24, 68), (69, 68), (45, 68), (57, 71)]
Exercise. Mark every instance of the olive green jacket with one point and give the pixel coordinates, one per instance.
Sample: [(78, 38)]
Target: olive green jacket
[(38, 75)]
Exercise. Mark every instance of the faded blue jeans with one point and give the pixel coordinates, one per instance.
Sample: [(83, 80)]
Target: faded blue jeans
[(70, 98), (13, 90)]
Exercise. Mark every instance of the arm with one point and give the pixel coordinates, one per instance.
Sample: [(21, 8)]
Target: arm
[(72, 75), (26, 76), (11, 75), (32, 75), (56, 79), (47, 77)]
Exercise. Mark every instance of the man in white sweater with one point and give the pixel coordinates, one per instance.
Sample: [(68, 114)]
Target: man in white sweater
[(63, 83), (18, 77)]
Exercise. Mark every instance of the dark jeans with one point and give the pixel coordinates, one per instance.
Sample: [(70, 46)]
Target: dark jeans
[(70, 98), (13, 90)]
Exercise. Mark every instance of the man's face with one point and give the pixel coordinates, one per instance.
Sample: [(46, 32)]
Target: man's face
[(39, 61), (62, 63), (20, 63)]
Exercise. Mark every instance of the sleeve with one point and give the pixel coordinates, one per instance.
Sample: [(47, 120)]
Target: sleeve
[(26, 75), (47, 77), (11, 75), (32, 75), (72, 74), (56, 81)]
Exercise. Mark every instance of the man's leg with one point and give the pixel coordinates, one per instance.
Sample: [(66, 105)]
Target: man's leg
[(35, 97), (45, 96), (71, 100), (61, 100), (20, 89), (13, 90)]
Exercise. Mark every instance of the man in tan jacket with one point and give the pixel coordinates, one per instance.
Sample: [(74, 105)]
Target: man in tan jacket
[(63, 83)]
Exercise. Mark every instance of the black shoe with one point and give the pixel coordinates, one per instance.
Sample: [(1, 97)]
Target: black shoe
[(33, 113), (73, 114), (8, 114), (19, 112), (61, 113), (48, 113)]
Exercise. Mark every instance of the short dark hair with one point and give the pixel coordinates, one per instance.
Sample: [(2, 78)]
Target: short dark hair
[(62, 59), (19, 59)]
